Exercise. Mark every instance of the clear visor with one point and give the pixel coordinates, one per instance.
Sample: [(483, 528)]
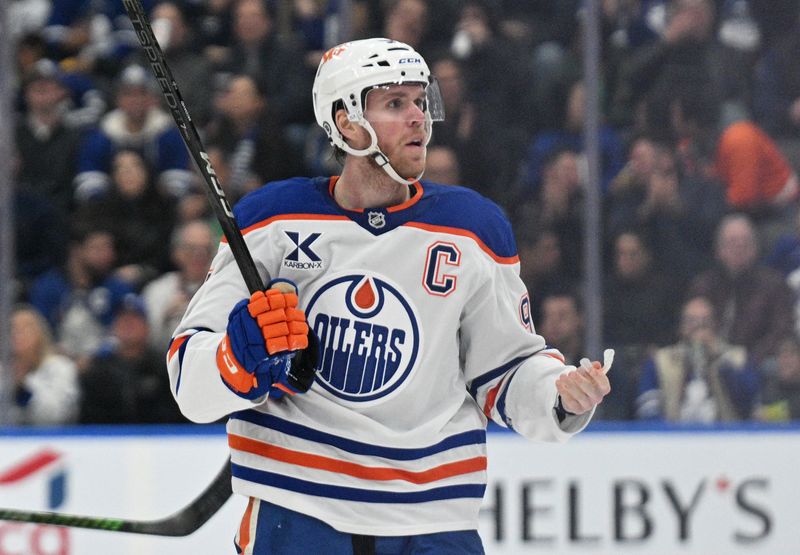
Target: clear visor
[(404, 100)]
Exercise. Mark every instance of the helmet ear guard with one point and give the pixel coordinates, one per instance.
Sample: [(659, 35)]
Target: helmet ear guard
[(349, 71)]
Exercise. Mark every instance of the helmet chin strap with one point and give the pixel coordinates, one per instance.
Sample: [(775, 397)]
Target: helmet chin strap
[(382, 161), (377, 154)]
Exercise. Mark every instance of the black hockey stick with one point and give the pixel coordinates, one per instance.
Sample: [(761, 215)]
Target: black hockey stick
[(181, 523), (190, 518)]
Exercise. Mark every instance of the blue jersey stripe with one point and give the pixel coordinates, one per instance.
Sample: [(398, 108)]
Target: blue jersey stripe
[(471, 437), (501, 401), (356, 494), (181, 353), (483, 379)]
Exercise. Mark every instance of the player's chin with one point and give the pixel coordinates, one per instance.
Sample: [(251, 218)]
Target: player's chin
[(412, 167)]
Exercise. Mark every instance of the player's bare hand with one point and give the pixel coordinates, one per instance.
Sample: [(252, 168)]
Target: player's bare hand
[(583, 388)]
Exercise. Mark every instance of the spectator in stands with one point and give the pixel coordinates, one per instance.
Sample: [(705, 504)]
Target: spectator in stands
[(138, 214), (191, 70), (276, 64), (47, 147), (485, 53), (25, 17), (407, 21), (442, 165), (424, 25), (639, 301), (80, 298), (212, 22), (194, 205), (679, 213), (137, 123), (754, 173), (67, 29), (542, 266), (776, 86), (786, 259), (757, 177), (550, 30), (624, 28), (247, 133), (95, 35), (753, 302), (557, 205), (562, 321), (38, 233), (322, 24), (566, 131), (785, 253), (478, 141), (125, 382), (45, 382), (701, 378), (687, 54), (84, 104), (780, 400), (193, 245)]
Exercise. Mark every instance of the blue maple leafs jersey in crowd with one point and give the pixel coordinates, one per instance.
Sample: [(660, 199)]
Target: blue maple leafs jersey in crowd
[(425, 332)]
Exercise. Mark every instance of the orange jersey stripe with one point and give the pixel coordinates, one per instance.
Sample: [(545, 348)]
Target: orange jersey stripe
[(411, 201), (265, 223), (418, 192), (560, 359), (464, 233), (448, 470), (176, 345), (244, 527), (491, 398), (425, 227)]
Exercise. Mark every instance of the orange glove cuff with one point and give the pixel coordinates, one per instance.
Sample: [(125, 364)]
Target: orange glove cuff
[(231, 371)]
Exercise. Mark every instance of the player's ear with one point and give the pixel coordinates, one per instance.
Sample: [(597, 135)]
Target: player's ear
[(352, 132), (347, 128)]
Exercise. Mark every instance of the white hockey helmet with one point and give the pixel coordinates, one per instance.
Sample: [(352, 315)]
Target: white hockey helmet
[(349, 71)]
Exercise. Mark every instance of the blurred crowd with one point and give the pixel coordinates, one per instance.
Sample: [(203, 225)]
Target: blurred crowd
[(699, 149)]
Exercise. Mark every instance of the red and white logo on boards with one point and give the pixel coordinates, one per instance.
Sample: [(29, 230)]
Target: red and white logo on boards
[(45, 467)]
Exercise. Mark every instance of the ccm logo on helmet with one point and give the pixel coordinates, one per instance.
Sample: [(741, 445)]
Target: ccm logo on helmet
[(409, 61)]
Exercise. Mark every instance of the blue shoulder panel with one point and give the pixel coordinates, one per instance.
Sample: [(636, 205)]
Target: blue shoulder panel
[(462, 208), (298, 195)]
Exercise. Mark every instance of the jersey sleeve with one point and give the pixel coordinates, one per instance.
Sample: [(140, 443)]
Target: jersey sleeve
[(510, 369), (191, 359)]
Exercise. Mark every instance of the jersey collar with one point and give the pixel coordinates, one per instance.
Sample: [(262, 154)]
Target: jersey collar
[(378, 221), (415, 197)]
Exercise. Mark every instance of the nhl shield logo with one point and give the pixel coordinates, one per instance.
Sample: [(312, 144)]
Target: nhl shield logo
[(376, 219)]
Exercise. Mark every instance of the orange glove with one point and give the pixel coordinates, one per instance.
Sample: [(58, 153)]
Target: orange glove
[(282, 324)]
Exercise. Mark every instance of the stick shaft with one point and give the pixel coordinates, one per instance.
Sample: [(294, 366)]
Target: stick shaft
[(181, 523)]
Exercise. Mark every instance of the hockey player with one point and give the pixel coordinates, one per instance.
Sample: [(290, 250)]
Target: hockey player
[(412, 313)]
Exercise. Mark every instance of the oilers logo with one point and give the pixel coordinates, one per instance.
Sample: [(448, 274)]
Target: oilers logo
[(368, 334)]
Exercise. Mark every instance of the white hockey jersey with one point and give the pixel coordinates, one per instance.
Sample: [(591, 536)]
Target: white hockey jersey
[(425, 332)]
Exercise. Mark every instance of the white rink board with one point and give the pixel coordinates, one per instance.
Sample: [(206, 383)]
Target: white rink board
[(120, 476), (655, 492)]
